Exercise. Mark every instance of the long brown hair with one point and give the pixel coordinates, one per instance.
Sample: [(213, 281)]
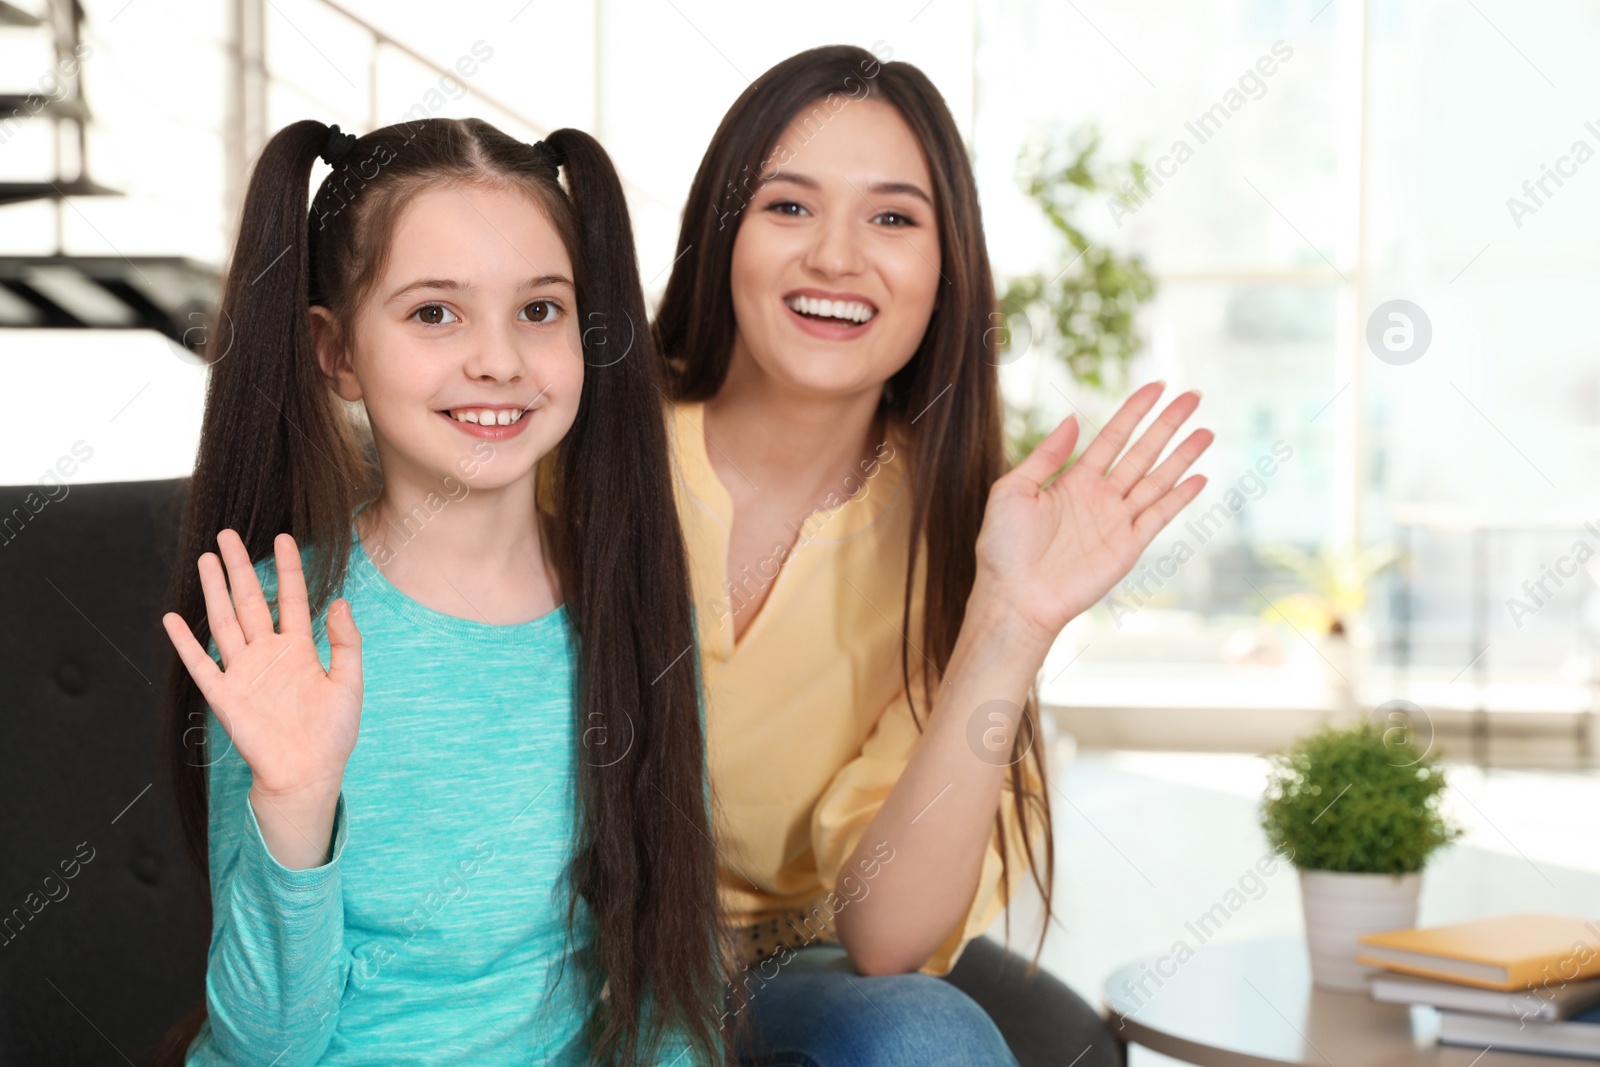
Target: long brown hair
[(277, 453), (946, 400)]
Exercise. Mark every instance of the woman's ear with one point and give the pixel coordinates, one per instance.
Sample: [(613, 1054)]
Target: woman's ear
[(332, 356)]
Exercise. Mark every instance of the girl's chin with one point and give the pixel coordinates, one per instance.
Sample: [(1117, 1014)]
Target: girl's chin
[(483, 484), (478, 466)]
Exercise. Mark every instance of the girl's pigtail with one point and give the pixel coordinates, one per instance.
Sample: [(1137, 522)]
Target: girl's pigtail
[(655, 904), (275, 456)]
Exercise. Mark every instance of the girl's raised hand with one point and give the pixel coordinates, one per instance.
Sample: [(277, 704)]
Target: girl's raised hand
[(293, 723), (1047, 554)]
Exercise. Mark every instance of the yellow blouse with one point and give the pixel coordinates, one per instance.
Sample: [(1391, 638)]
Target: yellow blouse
[(808, 726)]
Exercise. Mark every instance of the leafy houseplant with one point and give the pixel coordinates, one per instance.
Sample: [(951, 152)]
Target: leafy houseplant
[(1336, 579), (1357, 811), (1335, 582), (1083, 310)]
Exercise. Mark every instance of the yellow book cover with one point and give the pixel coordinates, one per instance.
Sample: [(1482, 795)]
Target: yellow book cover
[(1509, 952)]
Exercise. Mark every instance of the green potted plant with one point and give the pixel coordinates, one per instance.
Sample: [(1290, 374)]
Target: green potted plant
[(1356, 810)]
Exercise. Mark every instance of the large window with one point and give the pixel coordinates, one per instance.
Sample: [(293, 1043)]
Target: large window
[(1316, 161)]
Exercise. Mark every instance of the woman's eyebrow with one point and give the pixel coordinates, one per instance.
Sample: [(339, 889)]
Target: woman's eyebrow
[(908, 188), (802, 180), (456, 285), (882, 188)]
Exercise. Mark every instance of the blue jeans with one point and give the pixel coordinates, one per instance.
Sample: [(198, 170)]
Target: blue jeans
[(816, 1011)]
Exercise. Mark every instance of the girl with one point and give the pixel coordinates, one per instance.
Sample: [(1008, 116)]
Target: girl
[(480, 834), (876, 591)]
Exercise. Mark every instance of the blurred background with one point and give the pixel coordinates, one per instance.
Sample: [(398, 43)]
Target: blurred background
[(1228, 229), (1364, 229)]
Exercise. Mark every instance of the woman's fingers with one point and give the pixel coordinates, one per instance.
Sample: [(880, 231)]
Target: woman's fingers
[(344, 645), (225, 629), (1154, 485), (1154, 518), (202, 668), (1145, 451), (1107, 445), (294, 608), (1048, 455), (255, 618)]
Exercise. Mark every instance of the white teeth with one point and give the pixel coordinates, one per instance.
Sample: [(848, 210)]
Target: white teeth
[(848, 310), (487, 416)]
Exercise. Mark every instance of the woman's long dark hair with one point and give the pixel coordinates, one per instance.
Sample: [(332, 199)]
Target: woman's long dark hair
[(278, 454), (956, 444)]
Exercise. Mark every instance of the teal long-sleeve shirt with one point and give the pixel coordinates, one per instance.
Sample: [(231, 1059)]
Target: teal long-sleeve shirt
[(435, 931)]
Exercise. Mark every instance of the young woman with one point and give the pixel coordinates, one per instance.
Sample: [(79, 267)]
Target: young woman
[(480, 834), (875, 591)]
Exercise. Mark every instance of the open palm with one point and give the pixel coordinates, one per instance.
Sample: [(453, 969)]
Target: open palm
[(293, 723), (1051, 551)]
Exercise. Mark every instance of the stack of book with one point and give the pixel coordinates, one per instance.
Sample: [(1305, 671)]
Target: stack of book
[(1524, 982)]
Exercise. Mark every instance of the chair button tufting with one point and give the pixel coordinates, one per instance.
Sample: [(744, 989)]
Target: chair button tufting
[(146, 867), (69, 676)]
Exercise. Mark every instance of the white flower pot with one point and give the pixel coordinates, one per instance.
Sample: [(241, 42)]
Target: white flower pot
[(1341, 907)]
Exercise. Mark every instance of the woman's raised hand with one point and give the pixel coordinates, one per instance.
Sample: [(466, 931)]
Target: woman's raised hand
[(293, 723), (1049, 552)]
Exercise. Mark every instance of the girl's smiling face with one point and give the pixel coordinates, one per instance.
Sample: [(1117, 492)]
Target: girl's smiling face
[(467, 352), (835, 268)]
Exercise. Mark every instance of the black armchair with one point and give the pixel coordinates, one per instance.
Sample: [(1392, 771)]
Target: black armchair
[(103, 925)]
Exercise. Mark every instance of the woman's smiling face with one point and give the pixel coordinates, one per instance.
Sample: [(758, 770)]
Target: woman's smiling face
[(836, 263), (467, 352)]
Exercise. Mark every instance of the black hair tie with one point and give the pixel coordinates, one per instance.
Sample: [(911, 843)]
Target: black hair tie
[(338, 146), (550, 154)]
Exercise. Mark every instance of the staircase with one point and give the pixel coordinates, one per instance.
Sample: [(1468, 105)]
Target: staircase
[(170, 294)]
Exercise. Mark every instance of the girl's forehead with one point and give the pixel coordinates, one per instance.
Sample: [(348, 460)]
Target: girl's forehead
[(476, 231)]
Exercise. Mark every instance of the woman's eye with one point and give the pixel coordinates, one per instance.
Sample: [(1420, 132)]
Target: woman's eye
[(433, 315), (896, 220), (542, 311), (787, 207)]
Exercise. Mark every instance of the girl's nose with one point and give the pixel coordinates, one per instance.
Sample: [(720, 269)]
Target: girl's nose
[(495, 355)]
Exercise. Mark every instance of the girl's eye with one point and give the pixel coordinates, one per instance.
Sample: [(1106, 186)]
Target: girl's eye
[(898, 220), (787, 207), (542, 311), (433, 315)]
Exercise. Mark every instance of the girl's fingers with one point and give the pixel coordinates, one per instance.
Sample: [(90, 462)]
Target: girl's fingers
[(219, 609), (344, 645), (294, 608), (202, 668), (1048, 455), (1157, 482), (255, 618), (1145, 451), (1107, 445), (1154, 518)]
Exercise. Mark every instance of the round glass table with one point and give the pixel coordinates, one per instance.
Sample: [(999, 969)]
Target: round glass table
[(1251, 1004)]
